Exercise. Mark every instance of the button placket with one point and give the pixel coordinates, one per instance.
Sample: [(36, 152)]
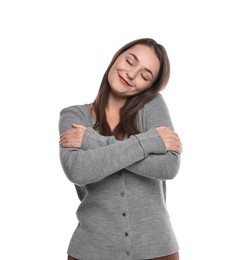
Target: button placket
[(125, 217)]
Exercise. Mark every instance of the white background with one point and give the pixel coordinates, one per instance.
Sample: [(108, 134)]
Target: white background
[(54, 53)]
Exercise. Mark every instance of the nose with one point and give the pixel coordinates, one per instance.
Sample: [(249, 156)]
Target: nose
[(131, 74)]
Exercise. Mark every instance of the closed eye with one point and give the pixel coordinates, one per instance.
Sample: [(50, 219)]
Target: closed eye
[(129, 62), (146, 79)]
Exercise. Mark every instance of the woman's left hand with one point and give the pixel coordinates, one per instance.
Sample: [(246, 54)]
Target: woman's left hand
[(72, 138)]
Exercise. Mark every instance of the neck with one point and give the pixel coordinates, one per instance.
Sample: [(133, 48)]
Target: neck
[(115, 102)]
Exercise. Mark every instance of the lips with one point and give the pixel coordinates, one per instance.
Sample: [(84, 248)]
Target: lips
[(123, 80)]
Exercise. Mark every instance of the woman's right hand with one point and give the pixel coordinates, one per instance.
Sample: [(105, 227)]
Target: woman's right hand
[(72, 138), (170, 138)]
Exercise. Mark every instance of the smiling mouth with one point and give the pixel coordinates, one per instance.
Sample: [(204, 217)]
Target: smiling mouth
[(124, 81)]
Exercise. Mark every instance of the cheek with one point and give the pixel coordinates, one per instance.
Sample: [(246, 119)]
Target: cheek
[(143, 85), (111, 74)]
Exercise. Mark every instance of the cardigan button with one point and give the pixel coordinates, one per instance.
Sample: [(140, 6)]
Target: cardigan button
[(124, 214), (126, 234), (122, 194), (128, 253)]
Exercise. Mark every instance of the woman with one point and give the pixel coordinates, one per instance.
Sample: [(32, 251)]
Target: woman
[(118, 151)]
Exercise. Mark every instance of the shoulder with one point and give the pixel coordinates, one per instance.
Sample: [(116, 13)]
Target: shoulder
[(155, 113), (157, 101), (77, 114), (76, 109), (81, 112), (156, 105)]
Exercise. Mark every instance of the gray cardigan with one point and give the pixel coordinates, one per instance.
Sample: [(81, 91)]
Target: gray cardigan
[(121, 185)]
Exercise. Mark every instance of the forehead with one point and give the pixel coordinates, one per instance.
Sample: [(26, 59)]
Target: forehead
[(146, 56)]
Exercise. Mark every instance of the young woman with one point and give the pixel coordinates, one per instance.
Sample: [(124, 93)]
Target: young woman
[(119, 151)]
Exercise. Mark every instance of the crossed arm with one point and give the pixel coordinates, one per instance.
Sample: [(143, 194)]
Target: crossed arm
[(88, 157), (74, 138)]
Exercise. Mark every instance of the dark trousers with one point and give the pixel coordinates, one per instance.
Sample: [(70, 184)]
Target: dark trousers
[(174, 256)]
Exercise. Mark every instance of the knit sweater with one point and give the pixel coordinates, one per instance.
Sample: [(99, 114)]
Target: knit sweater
[(121, 184)]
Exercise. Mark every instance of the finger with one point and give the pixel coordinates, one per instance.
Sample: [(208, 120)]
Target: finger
[(176, 149), (65, 144), (179, 148), (77, 126), (70, 145), (63, 137), (65, 133), (64, 140)]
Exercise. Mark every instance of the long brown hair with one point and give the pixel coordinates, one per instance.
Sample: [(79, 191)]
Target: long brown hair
[(128, 121)]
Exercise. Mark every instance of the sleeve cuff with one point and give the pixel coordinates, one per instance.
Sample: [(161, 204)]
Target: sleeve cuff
[(151, 142), (91, 139)]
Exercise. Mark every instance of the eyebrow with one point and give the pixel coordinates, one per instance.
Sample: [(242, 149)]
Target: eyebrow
[(136, 58)]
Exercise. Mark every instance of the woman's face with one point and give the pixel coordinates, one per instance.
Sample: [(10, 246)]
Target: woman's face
[(134, 71)]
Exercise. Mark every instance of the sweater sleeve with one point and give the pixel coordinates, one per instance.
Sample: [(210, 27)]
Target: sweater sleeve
[(75, 115), (160, 166), (83, 166)]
